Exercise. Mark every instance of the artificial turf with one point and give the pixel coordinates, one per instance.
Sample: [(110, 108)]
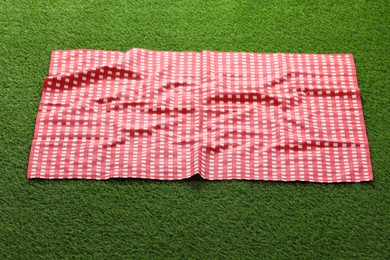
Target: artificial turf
[(192, 218)]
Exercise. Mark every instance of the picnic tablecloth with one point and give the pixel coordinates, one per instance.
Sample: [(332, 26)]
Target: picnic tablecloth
[(169, 115)]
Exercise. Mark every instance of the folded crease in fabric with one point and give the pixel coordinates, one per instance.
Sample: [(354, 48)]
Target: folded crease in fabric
[(171, 115)]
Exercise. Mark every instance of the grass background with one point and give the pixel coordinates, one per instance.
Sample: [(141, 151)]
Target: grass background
[(192, 218)]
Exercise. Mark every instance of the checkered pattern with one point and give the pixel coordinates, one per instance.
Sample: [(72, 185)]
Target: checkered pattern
[(170, 115)]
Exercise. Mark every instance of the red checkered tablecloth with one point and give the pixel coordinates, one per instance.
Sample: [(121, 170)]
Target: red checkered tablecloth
[(170, 115)]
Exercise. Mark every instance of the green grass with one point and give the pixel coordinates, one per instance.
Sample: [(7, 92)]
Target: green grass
[(192, 218)]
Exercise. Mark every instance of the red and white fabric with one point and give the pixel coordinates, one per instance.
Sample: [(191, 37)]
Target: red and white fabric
[(170, 115)]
